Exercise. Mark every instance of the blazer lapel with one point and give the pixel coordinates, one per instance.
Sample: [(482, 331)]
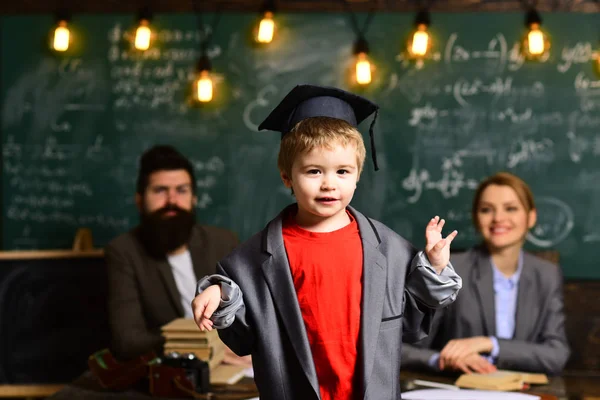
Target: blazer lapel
[(374, 287), (483, 286), (198, 252), (166, 274), (527, 297), (276, 270)]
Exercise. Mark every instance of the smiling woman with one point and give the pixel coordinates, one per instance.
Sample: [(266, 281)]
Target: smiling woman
[(509, 313), (503, 212)]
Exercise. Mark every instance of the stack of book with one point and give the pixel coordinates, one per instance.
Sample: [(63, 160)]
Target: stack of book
[(501, 380), (183, 336)]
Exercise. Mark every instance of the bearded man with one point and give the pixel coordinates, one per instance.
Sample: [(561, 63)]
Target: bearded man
[(153, 269)]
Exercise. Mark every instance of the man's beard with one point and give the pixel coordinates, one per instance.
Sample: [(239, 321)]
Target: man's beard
[(163, 234)]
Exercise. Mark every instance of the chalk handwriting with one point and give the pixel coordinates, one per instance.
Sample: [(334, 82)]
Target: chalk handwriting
[(555, 221), (580, 145), (261, 100), (580, 53), (16, 213), (526, 151)]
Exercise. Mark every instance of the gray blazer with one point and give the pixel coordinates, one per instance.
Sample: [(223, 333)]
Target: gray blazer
[(539, 343), (142, 293), (270, 327)]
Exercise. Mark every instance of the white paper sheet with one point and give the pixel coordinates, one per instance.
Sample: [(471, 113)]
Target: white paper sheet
[(464, 394)]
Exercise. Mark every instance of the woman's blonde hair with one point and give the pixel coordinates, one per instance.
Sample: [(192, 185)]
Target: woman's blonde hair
[(504, 179), (319, 132)]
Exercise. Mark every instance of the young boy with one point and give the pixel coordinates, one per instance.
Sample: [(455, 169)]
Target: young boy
[(322, 296)]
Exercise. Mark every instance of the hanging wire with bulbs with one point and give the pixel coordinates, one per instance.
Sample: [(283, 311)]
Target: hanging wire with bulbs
[(266, 27), (203, 84), (363, 67), (535, 42)]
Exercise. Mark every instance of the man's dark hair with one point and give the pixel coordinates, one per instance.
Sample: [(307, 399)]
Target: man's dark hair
[(162, 158)]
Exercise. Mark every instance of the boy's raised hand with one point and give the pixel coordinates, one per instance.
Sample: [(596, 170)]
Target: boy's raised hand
[(437, 249), (204, 305)]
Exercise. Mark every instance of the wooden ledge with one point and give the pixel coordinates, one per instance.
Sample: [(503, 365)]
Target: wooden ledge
[(29, 390), (40, 254)]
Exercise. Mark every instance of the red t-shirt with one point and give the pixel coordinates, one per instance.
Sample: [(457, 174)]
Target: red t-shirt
[(327, 272)]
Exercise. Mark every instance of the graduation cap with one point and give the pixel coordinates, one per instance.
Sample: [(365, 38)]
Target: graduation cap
[(306, 101)]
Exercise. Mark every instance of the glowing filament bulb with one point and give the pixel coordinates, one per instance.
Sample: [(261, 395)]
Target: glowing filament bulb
[(420, 41), (363, 69), (266, 28), (535, 41), (142, 36), (204, 87), (60, 41)]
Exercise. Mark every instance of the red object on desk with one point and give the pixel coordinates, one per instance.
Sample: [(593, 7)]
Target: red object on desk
[(117, 375)]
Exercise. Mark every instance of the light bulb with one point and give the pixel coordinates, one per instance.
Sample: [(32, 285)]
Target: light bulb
[(204, 87), (363, 69), (60, 41), (536, 41), (142, 36), (266, 28), (420, 41)]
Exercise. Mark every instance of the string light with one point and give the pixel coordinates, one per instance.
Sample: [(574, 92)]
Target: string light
[(203, 84), (363, 65), (143, 33), (142, 36), (266, 28), (420, 42), (535, 42), (203, 88), (61, 37)]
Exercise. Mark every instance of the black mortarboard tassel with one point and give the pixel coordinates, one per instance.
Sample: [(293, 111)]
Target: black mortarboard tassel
[(306, 101)]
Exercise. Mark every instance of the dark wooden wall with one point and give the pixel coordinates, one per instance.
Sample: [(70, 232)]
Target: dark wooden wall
[(582, 310)]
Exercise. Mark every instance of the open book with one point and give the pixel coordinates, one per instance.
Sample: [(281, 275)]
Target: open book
[(500, 380)]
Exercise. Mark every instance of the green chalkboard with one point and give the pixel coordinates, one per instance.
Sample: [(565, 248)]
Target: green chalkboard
[(73, 127)]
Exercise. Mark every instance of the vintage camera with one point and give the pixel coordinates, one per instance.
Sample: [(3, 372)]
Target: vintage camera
[(179, 374)]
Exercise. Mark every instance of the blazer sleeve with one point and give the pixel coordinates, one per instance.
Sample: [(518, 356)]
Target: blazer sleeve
[(550, 352), (239, 336), (129, 335), (417, 355), (426, 291)]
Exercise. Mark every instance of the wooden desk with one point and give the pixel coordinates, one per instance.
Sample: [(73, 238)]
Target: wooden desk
[(584, 385), (555, 389), (87, 387), (573, 387)]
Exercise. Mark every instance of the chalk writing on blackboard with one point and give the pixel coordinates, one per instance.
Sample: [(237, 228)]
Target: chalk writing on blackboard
[(554, 222)]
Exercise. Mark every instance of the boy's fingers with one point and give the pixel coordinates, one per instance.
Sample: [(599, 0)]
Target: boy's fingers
[(441, 224), (451, 236), (210, 309), (439, 245), (198, 310), (432, 224)]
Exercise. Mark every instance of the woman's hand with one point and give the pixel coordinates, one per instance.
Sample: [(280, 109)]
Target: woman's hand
[(459, 349)]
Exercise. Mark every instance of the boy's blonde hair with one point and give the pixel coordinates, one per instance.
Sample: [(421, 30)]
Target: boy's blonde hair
[(319, 132)]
